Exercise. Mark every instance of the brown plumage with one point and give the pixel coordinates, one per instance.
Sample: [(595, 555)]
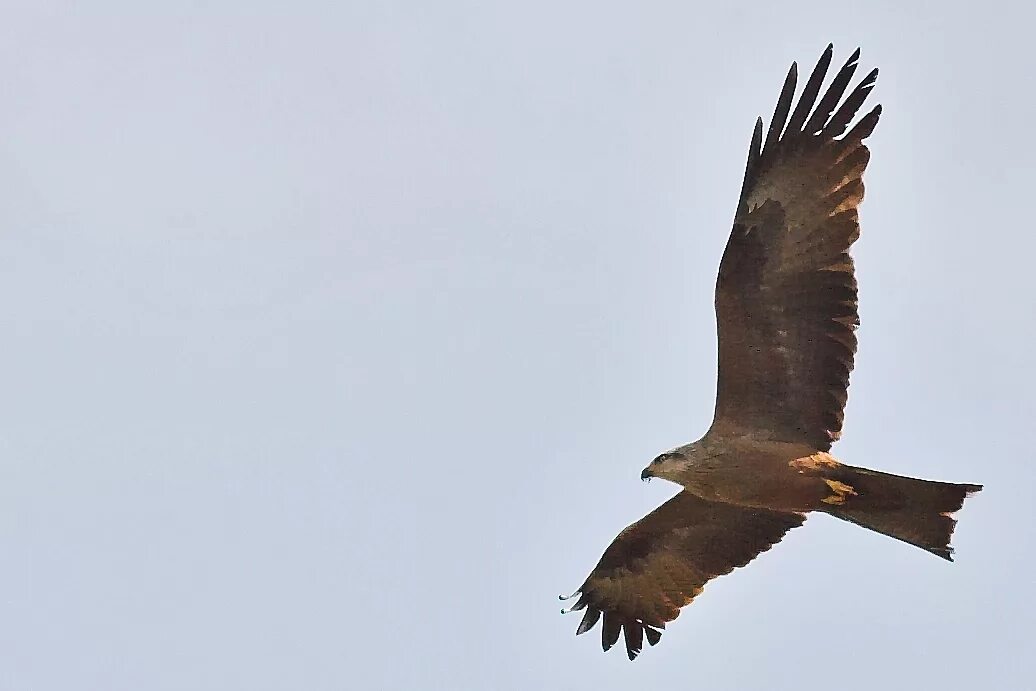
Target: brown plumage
[(661, 562), (786, 299), (786, 292)]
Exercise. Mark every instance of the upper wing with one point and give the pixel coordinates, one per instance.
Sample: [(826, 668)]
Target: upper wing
[(660, 563), (786, 292)]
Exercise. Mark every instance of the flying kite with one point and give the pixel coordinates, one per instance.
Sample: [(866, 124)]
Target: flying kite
[(786, 315)]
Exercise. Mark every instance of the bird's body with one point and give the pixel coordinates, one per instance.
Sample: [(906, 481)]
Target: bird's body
[(747, 471), (786, 300)]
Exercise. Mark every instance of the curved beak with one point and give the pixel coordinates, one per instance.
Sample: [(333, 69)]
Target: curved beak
[(646, 474)]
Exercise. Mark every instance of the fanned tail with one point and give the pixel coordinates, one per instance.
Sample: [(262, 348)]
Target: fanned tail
[(918, 512)]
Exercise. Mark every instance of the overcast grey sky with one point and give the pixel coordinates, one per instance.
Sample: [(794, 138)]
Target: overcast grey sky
[(335, 339)]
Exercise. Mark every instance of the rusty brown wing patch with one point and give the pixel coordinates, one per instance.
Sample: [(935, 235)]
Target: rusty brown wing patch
[(660, 563), (786, 291)]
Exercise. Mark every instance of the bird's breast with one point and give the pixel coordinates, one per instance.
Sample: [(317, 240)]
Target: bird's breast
[(775, 476)]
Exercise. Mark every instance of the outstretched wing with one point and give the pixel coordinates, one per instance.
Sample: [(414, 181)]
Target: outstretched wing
[(786, 292), (660, 563)]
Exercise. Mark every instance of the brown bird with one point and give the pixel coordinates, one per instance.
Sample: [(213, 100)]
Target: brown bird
[(786, 314)]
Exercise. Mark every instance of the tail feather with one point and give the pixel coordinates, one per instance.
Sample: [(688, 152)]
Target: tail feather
[(918, 512)]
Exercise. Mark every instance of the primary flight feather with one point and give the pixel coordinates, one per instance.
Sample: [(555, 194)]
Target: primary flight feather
[(786, 316)]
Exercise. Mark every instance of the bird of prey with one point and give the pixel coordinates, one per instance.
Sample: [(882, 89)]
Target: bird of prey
[(786, 316)]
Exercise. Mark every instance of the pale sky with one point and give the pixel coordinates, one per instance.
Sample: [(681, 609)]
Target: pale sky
[(336, 337)]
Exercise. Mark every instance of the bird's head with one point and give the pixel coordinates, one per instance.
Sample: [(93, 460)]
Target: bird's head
[(668, 465)]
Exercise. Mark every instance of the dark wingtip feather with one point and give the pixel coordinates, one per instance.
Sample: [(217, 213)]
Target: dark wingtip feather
[(869, 81), (866, 125), (589, 619), (755, 148), (653, 635), (780, 112), (844, 115), (754, 151), (610, 630), (818, 120), (810, 92), (634, 634)]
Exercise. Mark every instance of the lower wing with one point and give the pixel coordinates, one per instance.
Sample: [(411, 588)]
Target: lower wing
[(660, 563)]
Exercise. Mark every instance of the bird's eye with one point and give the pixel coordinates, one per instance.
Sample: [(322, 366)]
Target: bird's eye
[(661, 458)]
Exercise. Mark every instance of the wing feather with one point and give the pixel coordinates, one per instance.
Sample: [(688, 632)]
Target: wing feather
[(634, 635), (841, 119), (786, 292), (653, 635), (589, 619), (780, 113), (661, 563), (834, 93), (610, 629), (811, 91)]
